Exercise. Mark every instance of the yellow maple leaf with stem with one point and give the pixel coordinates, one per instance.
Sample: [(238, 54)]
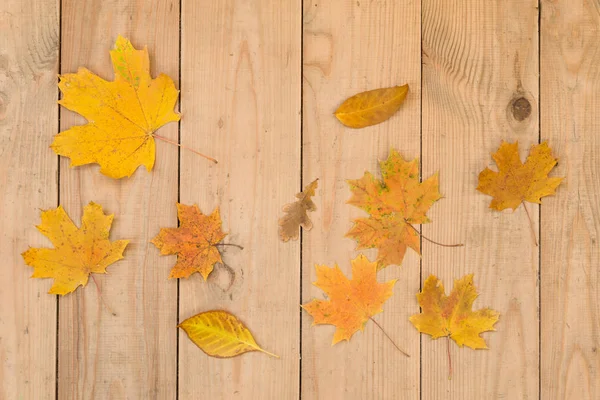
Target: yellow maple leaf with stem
[(123, 115), (517, 182), (77, 252), (352, 302), (452, 316), (395, 204)]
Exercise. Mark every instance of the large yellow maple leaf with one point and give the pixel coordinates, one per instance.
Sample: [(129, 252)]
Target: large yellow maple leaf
[(351, 302), (394, 204), (194, 241), (122, 115), (78, 252), (516, 182), (452, 315)]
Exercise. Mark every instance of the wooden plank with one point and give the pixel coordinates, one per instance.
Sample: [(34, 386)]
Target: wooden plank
[(241, 105), (570, 72), (28, 120), (350, 47), (132, 354), (479, 58)]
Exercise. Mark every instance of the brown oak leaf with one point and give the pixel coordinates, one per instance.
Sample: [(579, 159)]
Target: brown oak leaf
[(296, 214)]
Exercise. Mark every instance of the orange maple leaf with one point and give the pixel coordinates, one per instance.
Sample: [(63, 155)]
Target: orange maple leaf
[(351, 302), (394, 204), (194, 241), (452, 315), (516, 182), (77, 252)]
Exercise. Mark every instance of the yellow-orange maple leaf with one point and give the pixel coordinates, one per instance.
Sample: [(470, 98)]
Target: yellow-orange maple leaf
[(351, 302), (516, 182), (194, 241), (394, 204), (77, 252), (122, 115), (296, 214), (452, 315)]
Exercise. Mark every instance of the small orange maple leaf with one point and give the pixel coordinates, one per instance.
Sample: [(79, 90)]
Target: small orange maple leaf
[(351, 302), (77, 252), (516, 182), (394, 204), (194, 241)]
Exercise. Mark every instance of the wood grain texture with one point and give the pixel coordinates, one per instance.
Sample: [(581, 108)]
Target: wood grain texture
[(478, 57), (131, 354), (241, 104), (350, 47), (570, 310), (29, 41)]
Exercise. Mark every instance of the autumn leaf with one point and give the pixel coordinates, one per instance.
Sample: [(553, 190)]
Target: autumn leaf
[(516, 182), (351, 302), (296, 214), (77, 252), (122, 115), (195, 241), (220, 334), (452, 315), (371, 107), (394, 203)]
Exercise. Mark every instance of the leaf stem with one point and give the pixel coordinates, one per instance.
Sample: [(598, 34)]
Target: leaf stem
[(388, 336), (530, 224), (229, 244), (433, 241), (110, 310), (266, 352), (449, 358), (184, 147)]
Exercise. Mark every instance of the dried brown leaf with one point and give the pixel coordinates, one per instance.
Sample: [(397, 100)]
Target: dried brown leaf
[(296, 214)]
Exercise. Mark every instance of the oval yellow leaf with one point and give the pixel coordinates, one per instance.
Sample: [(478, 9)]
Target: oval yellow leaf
[(371, 107), (220, 334)]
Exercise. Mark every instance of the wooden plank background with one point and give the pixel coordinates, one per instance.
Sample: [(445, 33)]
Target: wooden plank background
[(259, 80)]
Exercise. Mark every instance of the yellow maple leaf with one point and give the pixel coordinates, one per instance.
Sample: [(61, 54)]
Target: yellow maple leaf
[(194, 241), (451, 316), (371, 107), (394, 204), (516, 182), (221, 334), (122, 115), (77, 252), (296, 213), (351, 302)]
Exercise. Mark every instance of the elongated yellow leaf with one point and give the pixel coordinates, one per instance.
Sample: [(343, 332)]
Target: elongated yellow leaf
[(220, 334), (371, 107)]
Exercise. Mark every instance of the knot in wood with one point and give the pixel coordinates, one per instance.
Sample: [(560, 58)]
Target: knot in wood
[(520, 108)]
